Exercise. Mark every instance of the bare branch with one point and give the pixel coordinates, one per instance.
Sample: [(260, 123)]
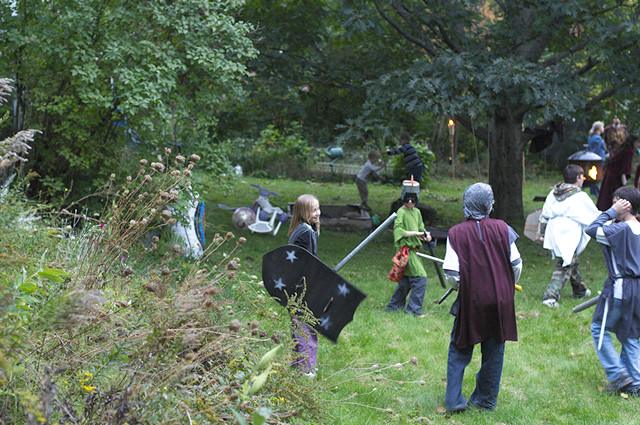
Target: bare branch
[(605, 94), (402, 32), (480, 132)]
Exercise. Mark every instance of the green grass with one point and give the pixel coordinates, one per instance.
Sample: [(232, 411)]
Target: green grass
[(551, 375)]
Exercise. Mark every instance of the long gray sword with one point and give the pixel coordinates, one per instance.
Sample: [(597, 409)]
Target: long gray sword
[(373, 234)]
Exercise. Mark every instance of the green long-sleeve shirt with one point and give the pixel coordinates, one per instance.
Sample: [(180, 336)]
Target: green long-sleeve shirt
[(409, 220)]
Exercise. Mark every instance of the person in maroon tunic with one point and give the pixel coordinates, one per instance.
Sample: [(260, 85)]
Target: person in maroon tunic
[(617, 172), (483, 262)]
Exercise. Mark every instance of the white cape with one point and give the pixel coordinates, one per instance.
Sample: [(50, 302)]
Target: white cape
[(565, 234)]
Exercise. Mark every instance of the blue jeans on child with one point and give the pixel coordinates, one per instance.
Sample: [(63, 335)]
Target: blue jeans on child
[(485, 394), (614, 364), (417, 285)]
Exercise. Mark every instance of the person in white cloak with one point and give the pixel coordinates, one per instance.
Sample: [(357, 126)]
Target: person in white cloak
[(566, 213)]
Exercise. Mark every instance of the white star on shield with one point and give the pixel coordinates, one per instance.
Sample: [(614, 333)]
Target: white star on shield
[(291, 256), (325, 323), (279, 284), (343, 290)]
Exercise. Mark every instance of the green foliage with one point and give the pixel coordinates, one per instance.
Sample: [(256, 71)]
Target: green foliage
[(273, 153), (85, 66), (398, 169)]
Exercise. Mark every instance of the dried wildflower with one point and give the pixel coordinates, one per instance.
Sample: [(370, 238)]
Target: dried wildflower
[(126, 192), (187, 173), (164, 271), (275, 338), (151, 287), (189, 357), (163, 194), (255, 324), (5, 163), (242, 240), (127, 272), (190, 166), (175, 173), (194, 158), (129, 179), (228, 236), (233, 265), (112, 176), (144, 221), (180, 159), (191, 338), (187, 185), (167, 214), (226, 389), (413, 360), (155, 239), (167, 151), (147, 178), (176, 248), (235, 325), (172, 222), (231, 275), (263, 334), (158, 166), (132, 223), (254, 332), (217, 238), (233, 397), (143, 162), (174, 198), (212, 290)]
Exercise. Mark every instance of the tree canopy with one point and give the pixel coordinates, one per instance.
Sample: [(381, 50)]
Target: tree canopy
[(101, 79), (502, 63)]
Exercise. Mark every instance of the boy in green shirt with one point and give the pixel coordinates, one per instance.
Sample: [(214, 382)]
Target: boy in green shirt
[(409, 231)]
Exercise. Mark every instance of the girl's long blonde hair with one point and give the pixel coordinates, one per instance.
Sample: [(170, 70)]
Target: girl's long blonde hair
[(596, 125), (302, 210)]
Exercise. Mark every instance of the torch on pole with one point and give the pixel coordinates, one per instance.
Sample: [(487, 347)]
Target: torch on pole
[(452, 132)]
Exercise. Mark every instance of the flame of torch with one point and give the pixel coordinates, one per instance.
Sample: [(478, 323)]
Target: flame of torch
[(593, 172), (452, 127)]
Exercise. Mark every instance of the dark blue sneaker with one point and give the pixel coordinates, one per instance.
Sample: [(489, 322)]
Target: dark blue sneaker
[(620, 384)]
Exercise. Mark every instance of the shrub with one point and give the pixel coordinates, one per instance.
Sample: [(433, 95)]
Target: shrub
[(274, 153)]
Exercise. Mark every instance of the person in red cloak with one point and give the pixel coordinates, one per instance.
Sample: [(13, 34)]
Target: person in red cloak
[(617, 171), (483, 261)]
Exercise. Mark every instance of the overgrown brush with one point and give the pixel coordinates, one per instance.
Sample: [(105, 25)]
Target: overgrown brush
[(115, 325)]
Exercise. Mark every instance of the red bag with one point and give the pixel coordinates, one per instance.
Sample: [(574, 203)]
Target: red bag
[(399, 264)]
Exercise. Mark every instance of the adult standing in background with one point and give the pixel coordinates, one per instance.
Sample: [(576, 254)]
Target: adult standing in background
[(597, 146), (618, 171), (615, 134)]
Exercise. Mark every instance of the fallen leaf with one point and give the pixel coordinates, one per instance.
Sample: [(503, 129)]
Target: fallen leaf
[(441, 409)]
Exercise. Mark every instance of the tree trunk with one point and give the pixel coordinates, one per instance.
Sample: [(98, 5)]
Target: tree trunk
[(505, 167)]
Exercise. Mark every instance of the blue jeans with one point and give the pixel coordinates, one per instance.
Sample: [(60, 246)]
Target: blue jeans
[(613, 363), (485, 394), (417, 285)]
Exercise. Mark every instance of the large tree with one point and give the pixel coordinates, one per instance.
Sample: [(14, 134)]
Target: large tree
[(500, 62), (82, 66)]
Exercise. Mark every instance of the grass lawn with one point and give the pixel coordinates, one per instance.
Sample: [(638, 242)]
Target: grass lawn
[(551, 375)]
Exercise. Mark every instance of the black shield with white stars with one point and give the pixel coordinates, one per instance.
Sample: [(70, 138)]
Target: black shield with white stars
[(331, 298)]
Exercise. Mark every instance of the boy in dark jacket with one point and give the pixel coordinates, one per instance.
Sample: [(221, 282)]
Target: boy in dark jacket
[(411, 159)]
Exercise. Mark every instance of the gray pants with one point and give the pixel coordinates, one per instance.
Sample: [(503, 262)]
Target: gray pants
[(363, 190), (417, 285)]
